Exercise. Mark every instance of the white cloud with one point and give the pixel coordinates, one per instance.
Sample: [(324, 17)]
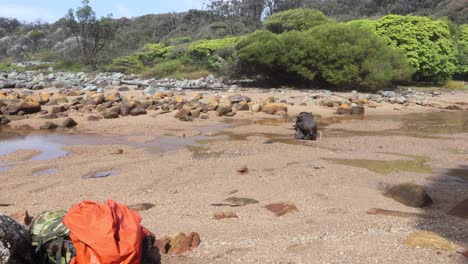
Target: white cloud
[(28, 13)]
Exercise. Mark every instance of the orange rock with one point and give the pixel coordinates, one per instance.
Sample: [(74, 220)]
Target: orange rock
[(112, 97), (163, 244), (345, 106), (182, 243), (179, 99), (282, 208), (461, 210), (274, 108), (22, 217)]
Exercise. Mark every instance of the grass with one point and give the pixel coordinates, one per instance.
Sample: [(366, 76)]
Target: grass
[(175, 69), (456, 85)]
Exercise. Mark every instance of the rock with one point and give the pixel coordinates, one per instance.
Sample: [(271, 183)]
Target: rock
[(49, 126), (242, 107), (123, 89), (141, 206), (461, 210), (25, 107), (195, 113), (230, 114), (58, 109), (243, 170), (400, 100), (182, 243), (410, 194), (357, 110), (93, 118), (344, 110), (114, 97), (236, 201), (110, 115), (22, 217), (453, 107), (138, 111), (50, 116), (281, 208), (162, 244), (15, 242), (255, 108), (429, 240), (4, 120), (204, 117), (69, 122), (224, 215), (124, 109), (182, 112), (186, 118), (223, 110), (388, 94), (237, 98), (274, 108), (118, 152)]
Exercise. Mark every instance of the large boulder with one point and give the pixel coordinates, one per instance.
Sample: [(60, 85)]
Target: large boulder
[(410, 194), (15, 242), (275, 108), (26, 107)]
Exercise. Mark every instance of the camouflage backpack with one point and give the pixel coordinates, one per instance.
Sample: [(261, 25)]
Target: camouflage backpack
[(50, 239)]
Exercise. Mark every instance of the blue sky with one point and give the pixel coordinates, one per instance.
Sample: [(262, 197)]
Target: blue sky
[(51, 10)]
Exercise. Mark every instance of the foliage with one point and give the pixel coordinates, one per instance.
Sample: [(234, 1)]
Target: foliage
[(456, 85), (261, 48), (427, 43), (70, 66), (296, 19), (91, 35), (128, 64), (342, 55), (462, 44), (7, 66)]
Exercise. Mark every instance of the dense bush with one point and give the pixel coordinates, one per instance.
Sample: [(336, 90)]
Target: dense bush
[(158, 59), (462, 43), (296, 19), (342, 55), (427, 43), (260, 51)]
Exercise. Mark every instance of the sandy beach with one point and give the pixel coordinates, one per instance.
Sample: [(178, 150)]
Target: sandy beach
[(183, 168)]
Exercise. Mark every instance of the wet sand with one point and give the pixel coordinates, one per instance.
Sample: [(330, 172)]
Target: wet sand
[(185, 167)]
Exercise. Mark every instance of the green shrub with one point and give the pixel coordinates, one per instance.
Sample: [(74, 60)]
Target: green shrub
[(69, 66), (177, 69), (461, 72), (354, 57), (455, 85), (296, 19), (261, 48), (7, 66), (427, 43), (203, 49), (345, 56), (128, 64), (177, 41)]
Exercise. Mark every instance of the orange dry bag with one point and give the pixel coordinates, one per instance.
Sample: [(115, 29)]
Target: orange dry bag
[(105, 233)]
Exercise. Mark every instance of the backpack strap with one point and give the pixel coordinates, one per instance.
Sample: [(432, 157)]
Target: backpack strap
[(58, 255)]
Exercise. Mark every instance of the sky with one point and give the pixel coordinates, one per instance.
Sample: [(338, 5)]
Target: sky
[(52, 10)]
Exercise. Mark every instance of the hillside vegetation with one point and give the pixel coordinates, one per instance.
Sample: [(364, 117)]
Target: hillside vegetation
[(343, 44)]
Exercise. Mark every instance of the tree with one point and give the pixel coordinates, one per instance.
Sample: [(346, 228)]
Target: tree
[(91, 35), (296, 19), (427, 43)]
